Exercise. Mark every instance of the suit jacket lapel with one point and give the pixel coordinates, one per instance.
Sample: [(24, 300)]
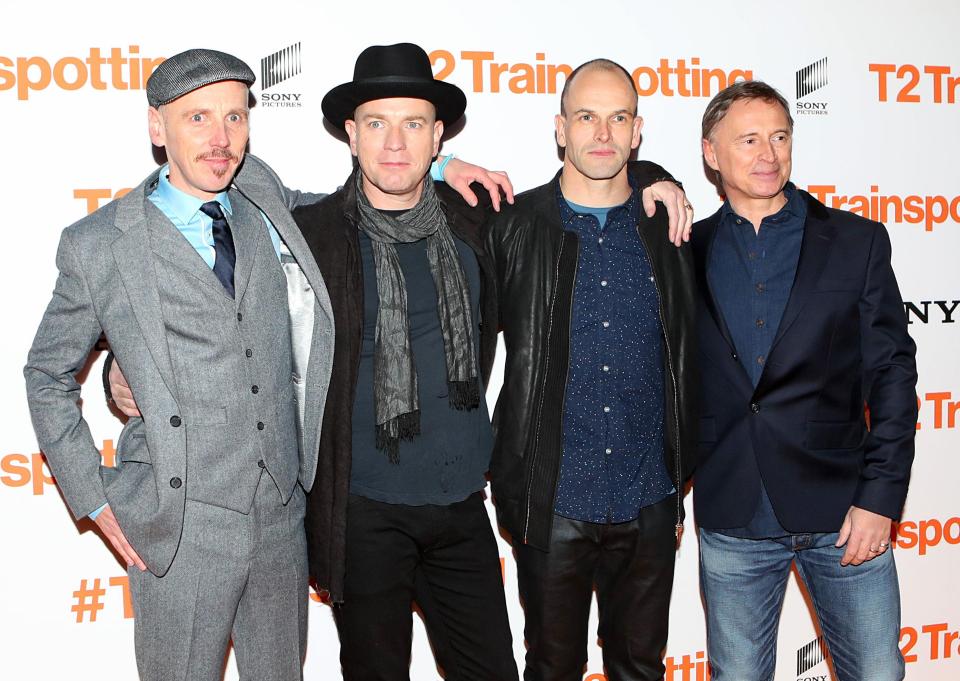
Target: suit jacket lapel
[(135, 264), (814, 252), (703, 240), (279, 215), (170, 245), (248, 231)]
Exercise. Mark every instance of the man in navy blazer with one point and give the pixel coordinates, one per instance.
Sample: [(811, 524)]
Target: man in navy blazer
[(802, 331)]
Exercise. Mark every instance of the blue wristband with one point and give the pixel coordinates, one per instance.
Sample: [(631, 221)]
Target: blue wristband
[(437, 169)]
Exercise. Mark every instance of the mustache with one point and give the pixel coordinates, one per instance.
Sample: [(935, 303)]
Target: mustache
[(217, 153)]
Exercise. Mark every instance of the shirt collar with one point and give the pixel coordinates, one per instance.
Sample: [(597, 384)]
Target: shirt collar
[(182, 205), (567, 213), (794, 208)]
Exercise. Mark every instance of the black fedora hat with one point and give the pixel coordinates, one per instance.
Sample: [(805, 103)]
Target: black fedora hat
[(401, 70)]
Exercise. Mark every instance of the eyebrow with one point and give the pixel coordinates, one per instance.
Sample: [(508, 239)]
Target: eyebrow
[(618, 111), (368, 116), (754, 132), (192, 112)]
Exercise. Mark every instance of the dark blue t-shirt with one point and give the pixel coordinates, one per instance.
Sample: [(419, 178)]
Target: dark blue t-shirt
[(447, 462)]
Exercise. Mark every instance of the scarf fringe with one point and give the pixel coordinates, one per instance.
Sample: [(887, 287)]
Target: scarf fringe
[(402, 427), (464, 394)]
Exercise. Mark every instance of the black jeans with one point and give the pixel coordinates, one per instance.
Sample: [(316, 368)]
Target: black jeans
[(631, 565), (444, 555)]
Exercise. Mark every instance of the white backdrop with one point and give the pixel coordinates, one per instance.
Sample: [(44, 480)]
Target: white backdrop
[(880, 133)]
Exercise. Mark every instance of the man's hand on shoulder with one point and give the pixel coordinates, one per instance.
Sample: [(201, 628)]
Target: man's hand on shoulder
[(679, 210), (460, 174), (108, 524), (866, 534)]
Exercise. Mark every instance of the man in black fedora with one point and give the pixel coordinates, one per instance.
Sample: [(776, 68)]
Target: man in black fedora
[(397, 513), (406, 439)]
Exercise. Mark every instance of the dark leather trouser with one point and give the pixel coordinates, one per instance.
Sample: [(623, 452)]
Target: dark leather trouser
[(631, 566)]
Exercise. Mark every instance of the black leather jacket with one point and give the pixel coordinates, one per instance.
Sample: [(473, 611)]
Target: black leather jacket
[(536, 266)]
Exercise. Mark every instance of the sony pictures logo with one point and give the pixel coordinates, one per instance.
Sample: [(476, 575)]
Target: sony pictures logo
[(808, 657), (809, 79), (278, 68)]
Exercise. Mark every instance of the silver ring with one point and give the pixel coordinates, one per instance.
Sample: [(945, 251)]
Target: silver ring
[(884, 545), (873, 550)]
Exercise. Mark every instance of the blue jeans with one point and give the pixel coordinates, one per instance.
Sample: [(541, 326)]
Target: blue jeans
[(743, 583)]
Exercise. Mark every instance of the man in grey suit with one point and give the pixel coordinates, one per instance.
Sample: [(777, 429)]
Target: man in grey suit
[(194, 278)]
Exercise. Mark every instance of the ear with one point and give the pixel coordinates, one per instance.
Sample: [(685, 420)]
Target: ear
[(437, 134), (560, 122), (351, 127), (637, 127), (709, 155), (158, 134)]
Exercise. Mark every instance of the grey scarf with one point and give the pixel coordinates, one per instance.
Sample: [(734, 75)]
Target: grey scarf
[(394, 376)]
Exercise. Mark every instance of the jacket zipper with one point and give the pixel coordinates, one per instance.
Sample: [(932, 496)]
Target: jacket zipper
[(678, 528), (543, 387)]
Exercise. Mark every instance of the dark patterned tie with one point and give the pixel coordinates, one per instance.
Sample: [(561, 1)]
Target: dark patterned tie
[(226, 258)]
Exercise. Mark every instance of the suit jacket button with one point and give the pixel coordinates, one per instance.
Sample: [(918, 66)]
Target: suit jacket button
[(175, 421), (249, 352), (175, 483), (239, 316), (254, 389), (260, 425), (261, 463), (754, 407)]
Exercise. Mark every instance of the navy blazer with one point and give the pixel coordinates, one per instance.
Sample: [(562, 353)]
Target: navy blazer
[(842, 345)]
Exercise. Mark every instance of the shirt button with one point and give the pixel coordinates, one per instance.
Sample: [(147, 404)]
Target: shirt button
[(755, 407), (248, 352), (752, 255), (739, 221), (175, 421), (760, 360), (603, 282), (606, 410), (761, 288), (759, 323), (606, 324), (239, 316), (261, 463), (606, 368), (260, 425), (600, 240), (254, 389), (608, 450)]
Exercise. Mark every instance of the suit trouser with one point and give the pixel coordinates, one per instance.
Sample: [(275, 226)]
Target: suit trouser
[(630, 564), (448, 553), (234, 576)]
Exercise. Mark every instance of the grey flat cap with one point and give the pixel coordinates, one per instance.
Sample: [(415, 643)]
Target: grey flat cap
[(187, 71)]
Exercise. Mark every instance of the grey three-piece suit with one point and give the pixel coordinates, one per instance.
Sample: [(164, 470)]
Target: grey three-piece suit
[(232, 396)]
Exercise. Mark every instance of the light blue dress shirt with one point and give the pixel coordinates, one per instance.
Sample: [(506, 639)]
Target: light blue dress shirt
[(183, 210)]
